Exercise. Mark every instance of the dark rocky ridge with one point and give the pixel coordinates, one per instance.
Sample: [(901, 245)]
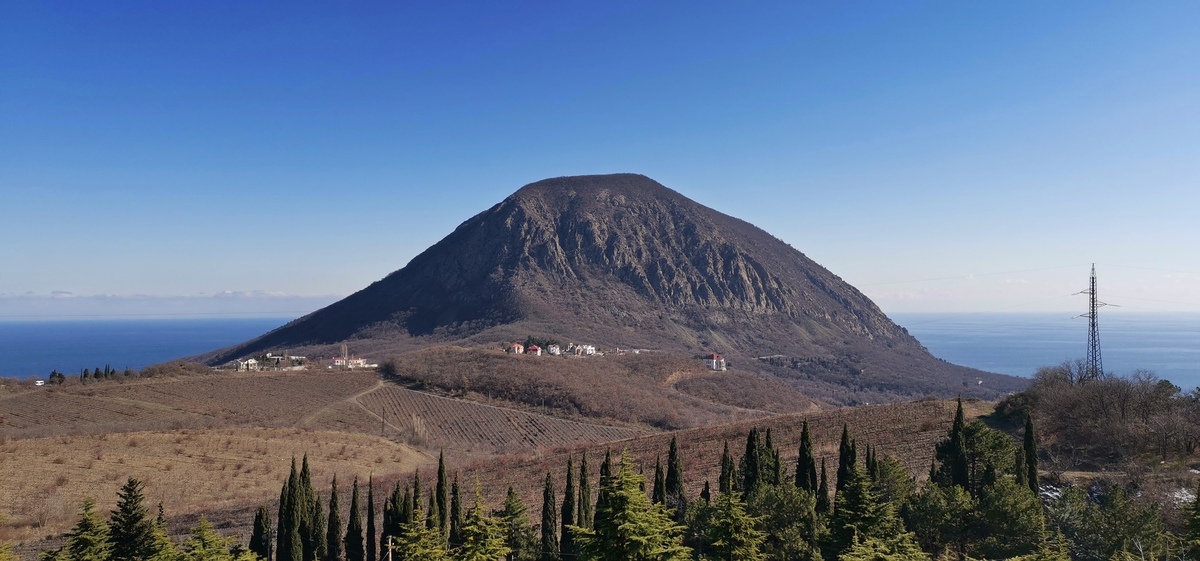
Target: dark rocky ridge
[(620, 260)]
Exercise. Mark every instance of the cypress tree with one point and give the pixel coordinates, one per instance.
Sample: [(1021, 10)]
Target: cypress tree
[(483, 536), (630, 526), (569, 510), (320, 545), (1031, 457), (354, 529), (806, 462), (605, 475), (1019, 467), (725, 482), (432, 518), (260, 538), (823, 505), (752, 462), (456, 513), (288, 521), (659, 494), (443, 496), (372, 553), (847, 459), (333, 528), (416, 496), (129, 527), (308, 512), (676, 496), (407, 510), (550, 551), (734, 533), (393, 519), (584, 517), (953, 453), (706, 494)]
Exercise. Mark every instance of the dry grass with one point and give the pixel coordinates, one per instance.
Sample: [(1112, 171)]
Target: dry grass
[(44, 480)]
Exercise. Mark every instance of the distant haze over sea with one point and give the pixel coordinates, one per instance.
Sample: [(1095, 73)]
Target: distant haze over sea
[(1167, 344), (1017, 344)]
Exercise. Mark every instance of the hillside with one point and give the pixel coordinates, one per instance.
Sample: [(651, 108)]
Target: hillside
[(622, 261)]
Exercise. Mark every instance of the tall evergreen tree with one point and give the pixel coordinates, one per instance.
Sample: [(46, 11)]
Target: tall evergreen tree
[(205, 544), (393, 513), (847, 459), (1030, 451), (569, 510), (629, 526), (130, 528), (520, 535), (550, 551), (806, 462), (752, 462), (260, 537), (288, 522), (456, 513), (676, 496), (824, 507), (333, 527), (725, 483), (658, 494), (416, 497), (354, 529), (1019, 467), (584, 518), (417, 541), (605, 475), (952, 454), (443, 496), (372, 553), (1192, 538), (320, 546), (310, 515), (858, 514)]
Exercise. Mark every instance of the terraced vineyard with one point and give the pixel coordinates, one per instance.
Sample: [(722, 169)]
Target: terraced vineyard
[(467, 427)]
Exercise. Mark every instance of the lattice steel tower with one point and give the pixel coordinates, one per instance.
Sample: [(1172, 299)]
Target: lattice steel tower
[(1094, 367)]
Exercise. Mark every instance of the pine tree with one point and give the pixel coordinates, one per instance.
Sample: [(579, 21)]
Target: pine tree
[(676, 496), (1030, 452), (726, 481), (807, 462), (416, 541), (629, 526), (162, 549), (205, 544), (260, 538), (456, 514), (733, 532), (333, 525), (353, 539), (288, 523), (1192, 538), (129, 526), (823, 505), (569, 510), (443, 496), (858, 514), (549, 551), (88, 539), (372, 553), (520, 535), (483, 536), (584, 518)]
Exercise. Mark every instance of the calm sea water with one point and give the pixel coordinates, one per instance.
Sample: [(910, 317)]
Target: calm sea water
[(34, 348), (1018, 344)]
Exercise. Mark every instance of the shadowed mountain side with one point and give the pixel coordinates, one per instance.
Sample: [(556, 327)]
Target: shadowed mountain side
[(620, 260)]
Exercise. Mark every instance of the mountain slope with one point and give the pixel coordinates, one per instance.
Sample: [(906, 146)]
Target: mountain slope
[(620, 260)]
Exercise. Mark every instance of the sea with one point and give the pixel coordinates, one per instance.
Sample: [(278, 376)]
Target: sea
[(1013, 343)]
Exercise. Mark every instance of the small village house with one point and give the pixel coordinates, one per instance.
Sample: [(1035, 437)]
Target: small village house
[(516, 349), (715, 362), (534, 350)]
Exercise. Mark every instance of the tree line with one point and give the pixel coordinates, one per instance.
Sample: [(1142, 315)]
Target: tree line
[(983, 499)]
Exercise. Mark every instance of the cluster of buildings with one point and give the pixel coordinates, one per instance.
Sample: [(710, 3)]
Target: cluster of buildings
[(552, 349)]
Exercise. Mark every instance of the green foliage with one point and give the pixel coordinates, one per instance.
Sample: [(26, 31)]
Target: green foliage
[(88, 539), (569, 510), (858, 513), (260, 537), (806, 462), (847, 460), (1192, 538), (628, 526), (1029, 453), (891, 548), (416, 541), (549, 548), (893, 483), (658, 493), (1010, 521), (456, 514), (1098, 530), (205, 544), (483, 537), (584, 517), (732, 532), (371, 552), (129, 526), (788, 516), (676, 496), (442, 493), (353, 540), (520, 535), (940, 517), (951, 455), (333, 526), (824, 507), (727, 480)]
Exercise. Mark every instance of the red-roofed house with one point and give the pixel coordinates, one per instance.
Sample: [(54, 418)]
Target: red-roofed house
[(715, 362)]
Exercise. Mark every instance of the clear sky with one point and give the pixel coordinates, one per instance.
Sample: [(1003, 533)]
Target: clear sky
[(253, 157)]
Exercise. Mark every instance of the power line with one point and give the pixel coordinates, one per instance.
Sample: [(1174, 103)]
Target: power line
[(967, 276)]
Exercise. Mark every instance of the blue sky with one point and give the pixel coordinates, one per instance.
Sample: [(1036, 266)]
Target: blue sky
[(234, 157)]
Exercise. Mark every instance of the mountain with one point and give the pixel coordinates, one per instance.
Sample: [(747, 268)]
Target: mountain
[(622, 261)]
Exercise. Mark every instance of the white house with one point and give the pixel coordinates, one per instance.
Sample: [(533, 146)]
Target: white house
[(515, 348), (350, 362), (248, 365), (715, 362), (553, 349), (534, 350)]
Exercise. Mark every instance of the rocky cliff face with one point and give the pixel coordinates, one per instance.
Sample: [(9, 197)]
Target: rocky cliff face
[(617, 260)]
